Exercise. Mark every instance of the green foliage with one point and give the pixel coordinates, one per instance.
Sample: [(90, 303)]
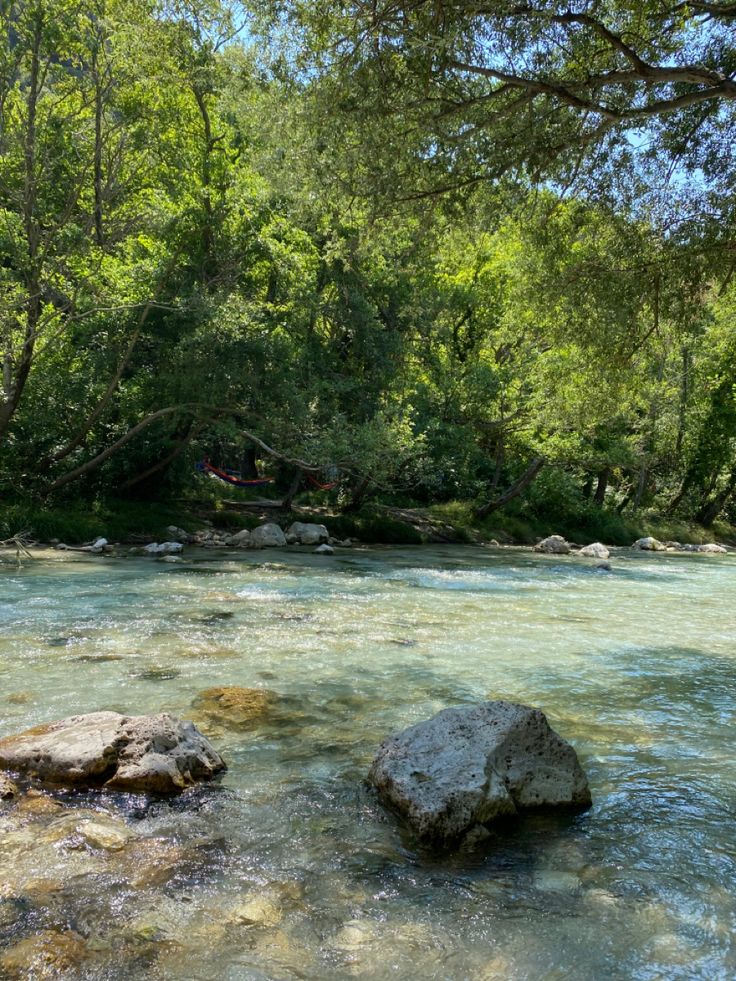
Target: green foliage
[(204, 238)]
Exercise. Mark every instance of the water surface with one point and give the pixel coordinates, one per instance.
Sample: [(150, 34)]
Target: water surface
[(635, 666)]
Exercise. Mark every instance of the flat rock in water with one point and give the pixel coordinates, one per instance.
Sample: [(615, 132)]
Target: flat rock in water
[(469, 766), (151, 753)]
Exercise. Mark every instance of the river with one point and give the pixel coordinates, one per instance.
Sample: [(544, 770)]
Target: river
[(290, 868)]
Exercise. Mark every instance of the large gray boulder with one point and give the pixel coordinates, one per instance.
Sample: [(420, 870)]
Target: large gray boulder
[(268, 536), (712, 548), (152, 753), (307, 534), (553, 545), (471, 765)]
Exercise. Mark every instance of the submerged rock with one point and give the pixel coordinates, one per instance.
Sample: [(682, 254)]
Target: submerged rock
[(471, 765), (553, 545), (595, 551), (234, 707), (324, 550), (269, 535), (307, 534), (649, 544), (151, 753), (47, 954), (8, 789), (262, 911)]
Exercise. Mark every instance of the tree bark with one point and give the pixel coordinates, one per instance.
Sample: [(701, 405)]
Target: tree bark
[(517, 488), (600, 491)]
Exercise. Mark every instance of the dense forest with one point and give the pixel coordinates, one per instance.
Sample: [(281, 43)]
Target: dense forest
[(412, 254)]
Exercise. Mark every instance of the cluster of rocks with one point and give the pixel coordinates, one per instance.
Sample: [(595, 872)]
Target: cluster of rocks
[(451, 775), (267, 535), (650, 544), (557, 545)]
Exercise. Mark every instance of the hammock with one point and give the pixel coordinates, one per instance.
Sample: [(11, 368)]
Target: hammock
[(231, 477), (323, 487)]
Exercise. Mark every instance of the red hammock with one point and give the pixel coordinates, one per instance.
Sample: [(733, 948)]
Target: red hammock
[(206, 467), (323, 487)]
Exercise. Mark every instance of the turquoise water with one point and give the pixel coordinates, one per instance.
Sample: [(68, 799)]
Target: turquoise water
[(290, 868)]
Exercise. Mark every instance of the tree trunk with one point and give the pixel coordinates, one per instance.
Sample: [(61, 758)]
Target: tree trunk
[(641, 485), (359, 495), (292, 491), (517, 488), (600, 491), (684, 396), (248, 466)]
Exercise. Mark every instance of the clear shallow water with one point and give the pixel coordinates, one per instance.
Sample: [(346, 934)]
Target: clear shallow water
[(636, 667)]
